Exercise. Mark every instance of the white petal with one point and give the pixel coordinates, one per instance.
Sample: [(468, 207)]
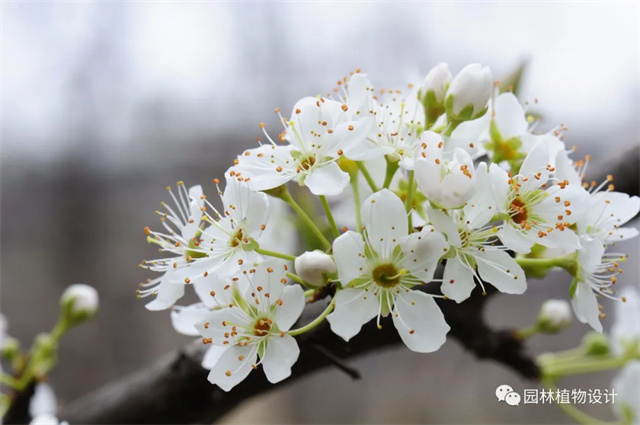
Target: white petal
[(482, 206), (445, 224), (354, 308), (195, 212), (385, 220), (626, 326), (261, 165), (499, 269), (468, 135), (281, 353), (184, 319), (422, 252), (327, 180), (348, 253), (291, 308), (499, 180), (457, 281), (233, 366), (585, 306), (514, 239), (360, 92), (625, 385), (167, 294), (510, 116), (536, 161), (419, 322), (43, 401), (455, 190), (245, 204), (213, 354)]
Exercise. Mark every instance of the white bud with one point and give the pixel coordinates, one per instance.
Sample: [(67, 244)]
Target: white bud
[(469, 92), (314, 266), (554, 316), (437, 81), (81, 300)]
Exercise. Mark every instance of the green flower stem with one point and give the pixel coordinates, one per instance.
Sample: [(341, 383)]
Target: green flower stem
[(409, 201), (286, 196), (367, 176), (572, 411), (327, 211), (300, 280), (538, 267), (527, 332), (392, 167), (579, 367), (315, 323), (275, 254), (9, 380), (356, 199), (309, 292)]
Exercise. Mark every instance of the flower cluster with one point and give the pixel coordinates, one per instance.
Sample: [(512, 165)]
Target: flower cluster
[(450, 174)]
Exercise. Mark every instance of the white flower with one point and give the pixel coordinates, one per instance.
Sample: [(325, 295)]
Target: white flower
[(319, 133), (3, 331), (606, 212), (449, 183), (554, 315), (596, 273), (83, 299), (625, 384), (43, 406), (397, 125), (534, 212), (625, 331), (181, 225), (254, 325), (379, 271), (225, 246), (314, 266), (474, 254), (437, 82), (469, 92)]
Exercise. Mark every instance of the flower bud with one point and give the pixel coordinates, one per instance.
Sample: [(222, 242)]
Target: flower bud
[(315, 267), (433, 91), (596, 344), (554, 316), (79, 303), (469, 93), (437, 82)]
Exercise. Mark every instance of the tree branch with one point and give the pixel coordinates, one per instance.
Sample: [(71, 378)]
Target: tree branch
[(176, 390)]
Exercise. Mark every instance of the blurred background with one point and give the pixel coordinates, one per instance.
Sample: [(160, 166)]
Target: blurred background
[(104, 104)]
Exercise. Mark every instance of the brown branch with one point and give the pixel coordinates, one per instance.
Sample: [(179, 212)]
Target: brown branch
[(176, 390)]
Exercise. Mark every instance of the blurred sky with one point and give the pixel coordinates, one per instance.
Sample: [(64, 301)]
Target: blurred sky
[(103, 73)]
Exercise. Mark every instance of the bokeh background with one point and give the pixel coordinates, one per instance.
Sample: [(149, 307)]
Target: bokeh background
[(106, 103)]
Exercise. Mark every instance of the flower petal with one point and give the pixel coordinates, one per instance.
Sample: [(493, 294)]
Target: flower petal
[(419, 321), (514, 239), (457, 281), (354, 308), (184, 319), (281, 353), (233, 366), (348, 253), (290, 309), (385, 220), (499, 269), (422, 251), (327, 180), (585, 306), (213, 354), (43, 401), (444, 224), (510, 116)]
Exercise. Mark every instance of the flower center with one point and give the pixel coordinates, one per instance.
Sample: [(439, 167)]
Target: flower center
[(518, 211), (386, 275), (262, 327), (238, 238), (307, 163)]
